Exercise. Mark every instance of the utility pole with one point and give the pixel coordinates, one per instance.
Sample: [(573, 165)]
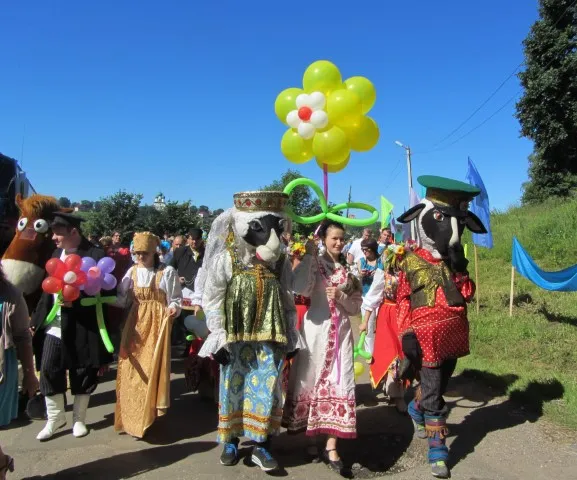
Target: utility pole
[(410, 178), (349, 201)]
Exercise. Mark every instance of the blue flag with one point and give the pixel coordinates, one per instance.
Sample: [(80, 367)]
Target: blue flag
[(480, 207)]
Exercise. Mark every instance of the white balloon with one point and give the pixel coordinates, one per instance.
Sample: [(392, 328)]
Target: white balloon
[(317, 101), (70, 277), (306, 130), (319, 119), (302, 100), (293, 119)]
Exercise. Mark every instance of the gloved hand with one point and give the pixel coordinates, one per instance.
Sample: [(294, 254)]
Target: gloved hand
[(456, 259), (222, 356)]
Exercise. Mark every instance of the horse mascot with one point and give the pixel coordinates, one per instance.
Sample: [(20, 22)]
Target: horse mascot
[(32, 246)]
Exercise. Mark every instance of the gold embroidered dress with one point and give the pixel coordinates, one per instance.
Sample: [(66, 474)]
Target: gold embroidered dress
[(143, 379)]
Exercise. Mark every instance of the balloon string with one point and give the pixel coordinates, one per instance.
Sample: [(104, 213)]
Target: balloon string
[(326, 181)]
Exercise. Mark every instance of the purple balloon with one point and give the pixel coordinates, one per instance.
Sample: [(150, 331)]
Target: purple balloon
[(106, 265), (92, 289), (109, 282), (87, 264)]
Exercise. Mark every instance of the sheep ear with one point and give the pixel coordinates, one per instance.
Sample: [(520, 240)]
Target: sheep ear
[(474, 224), (411, 213)]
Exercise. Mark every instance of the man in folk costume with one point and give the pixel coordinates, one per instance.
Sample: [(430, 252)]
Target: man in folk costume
[(70, 342), (434, 288), (249, 306)]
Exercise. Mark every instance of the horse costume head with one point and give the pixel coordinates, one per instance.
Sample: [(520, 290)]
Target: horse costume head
[(443, 215), (32, 246)]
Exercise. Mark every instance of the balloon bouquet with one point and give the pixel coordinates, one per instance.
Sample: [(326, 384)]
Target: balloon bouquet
[(66, 280), (327, 120)]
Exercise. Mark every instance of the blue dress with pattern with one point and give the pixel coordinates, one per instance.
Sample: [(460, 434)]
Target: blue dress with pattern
[(368, 281)]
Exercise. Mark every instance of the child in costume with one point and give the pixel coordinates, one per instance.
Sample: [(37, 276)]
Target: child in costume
[(433, 291), (248, 302), (143, 379)]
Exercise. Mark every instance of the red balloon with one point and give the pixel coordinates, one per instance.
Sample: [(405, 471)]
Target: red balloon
[(73, 262), (53, 265), (52, 285), (70, 293), (81, 278), (305, 113)]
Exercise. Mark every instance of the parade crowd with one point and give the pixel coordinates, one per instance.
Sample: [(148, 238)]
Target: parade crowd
[(262, 315)]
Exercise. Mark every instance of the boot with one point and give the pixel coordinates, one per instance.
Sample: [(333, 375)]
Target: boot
[(79, 416), (55, 415)]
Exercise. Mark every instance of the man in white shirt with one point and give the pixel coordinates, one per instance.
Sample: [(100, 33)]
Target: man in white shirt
[(355, 252)]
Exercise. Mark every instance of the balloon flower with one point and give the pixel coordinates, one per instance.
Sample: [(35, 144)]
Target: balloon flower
[(359, 349), (65, 281), (99, 277), (327, 117)]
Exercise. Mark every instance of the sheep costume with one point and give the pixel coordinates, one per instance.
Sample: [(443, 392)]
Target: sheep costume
[(246, 283), (434, 288)]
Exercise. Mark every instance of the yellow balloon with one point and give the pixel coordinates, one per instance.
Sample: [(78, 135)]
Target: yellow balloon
[(359, 369), (322, 76), (363, 135), (331, 147), (365, 90), (344, 107), (285, 102), (334, 168), (295, 148)]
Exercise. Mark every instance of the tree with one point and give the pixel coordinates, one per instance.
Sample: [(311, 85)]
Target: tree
[(547, 111), (118, 212), (86, 205), (64, 202)]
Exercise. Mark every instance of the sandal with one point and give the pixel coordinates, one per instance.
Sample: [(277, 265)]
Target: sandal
[(7, 467), (336, 465)]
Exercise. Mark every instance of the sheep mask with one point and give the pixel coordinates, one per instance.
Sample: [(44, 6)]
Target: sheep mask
[(443, 214)]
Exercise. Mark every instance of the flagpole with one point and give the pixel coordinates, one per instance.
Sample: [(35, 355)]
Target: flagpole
[(476, 278), (410, 178), (512, 291)]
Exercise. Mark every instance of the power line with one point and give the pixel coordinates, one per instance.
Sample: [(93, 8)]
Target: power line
[(490, 97)]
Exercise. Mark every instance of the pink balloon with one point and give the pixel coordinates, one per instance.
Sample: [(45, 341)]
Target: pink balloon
[(94, 272)]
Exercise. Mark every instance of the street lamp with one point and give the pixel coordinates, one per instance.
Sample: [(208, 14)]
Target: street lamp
[(410, 175)]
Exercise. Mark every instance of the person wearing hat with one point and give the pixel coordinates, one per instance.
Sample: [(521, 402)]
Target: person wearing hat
[(433, 291), (143, 378), (71, 341)]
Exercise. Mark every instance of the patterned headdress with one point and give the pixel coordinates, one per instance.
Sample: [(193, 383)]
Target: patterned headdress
[(261, 201), (145, 242)]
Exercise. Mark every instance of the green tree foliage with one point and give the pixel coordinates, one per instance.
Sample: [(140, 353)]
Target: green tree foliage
[(64, 202), (118, 212), (547, 111)]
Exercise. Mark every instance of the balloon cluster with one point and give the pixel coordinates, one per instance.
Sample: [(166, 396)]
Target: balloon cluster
[(359, 349), (99, 275), (66, 278), (327, 117)]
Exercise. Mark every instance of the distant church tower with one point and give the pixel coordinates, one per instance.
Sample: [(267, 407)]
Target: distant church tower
[(159, 203)]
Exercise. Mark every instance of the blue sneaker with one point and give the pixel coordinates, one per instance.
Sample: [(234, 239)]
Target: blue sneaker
[(229, 454), (262, 457)]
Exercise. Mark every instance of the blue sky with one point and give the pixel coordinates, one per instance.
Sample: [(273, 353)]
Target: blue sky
[(177, 96)]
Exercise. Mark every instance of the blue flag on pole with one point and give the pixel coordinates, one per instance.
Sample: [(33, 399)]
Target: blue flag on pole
[(480, 207)]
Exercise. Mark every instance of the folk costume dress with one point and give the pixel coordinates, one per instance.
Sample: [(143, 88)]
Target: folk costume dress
[(321, 391), (250, 309), (143, 379), (387, 353)]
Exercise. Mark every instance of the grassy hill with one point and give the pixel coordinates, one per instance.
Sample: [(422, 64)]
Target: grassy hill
[(536, 348)]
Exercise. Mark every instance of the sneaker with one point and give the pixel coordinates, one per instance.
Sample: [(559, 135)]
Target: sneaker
[(420, 431), (262, 457), (229, 454), (440, 470)]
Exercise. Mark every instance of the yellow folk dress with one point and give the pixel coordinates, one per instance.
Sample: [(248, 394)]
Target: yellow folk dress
[(143, 378)]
